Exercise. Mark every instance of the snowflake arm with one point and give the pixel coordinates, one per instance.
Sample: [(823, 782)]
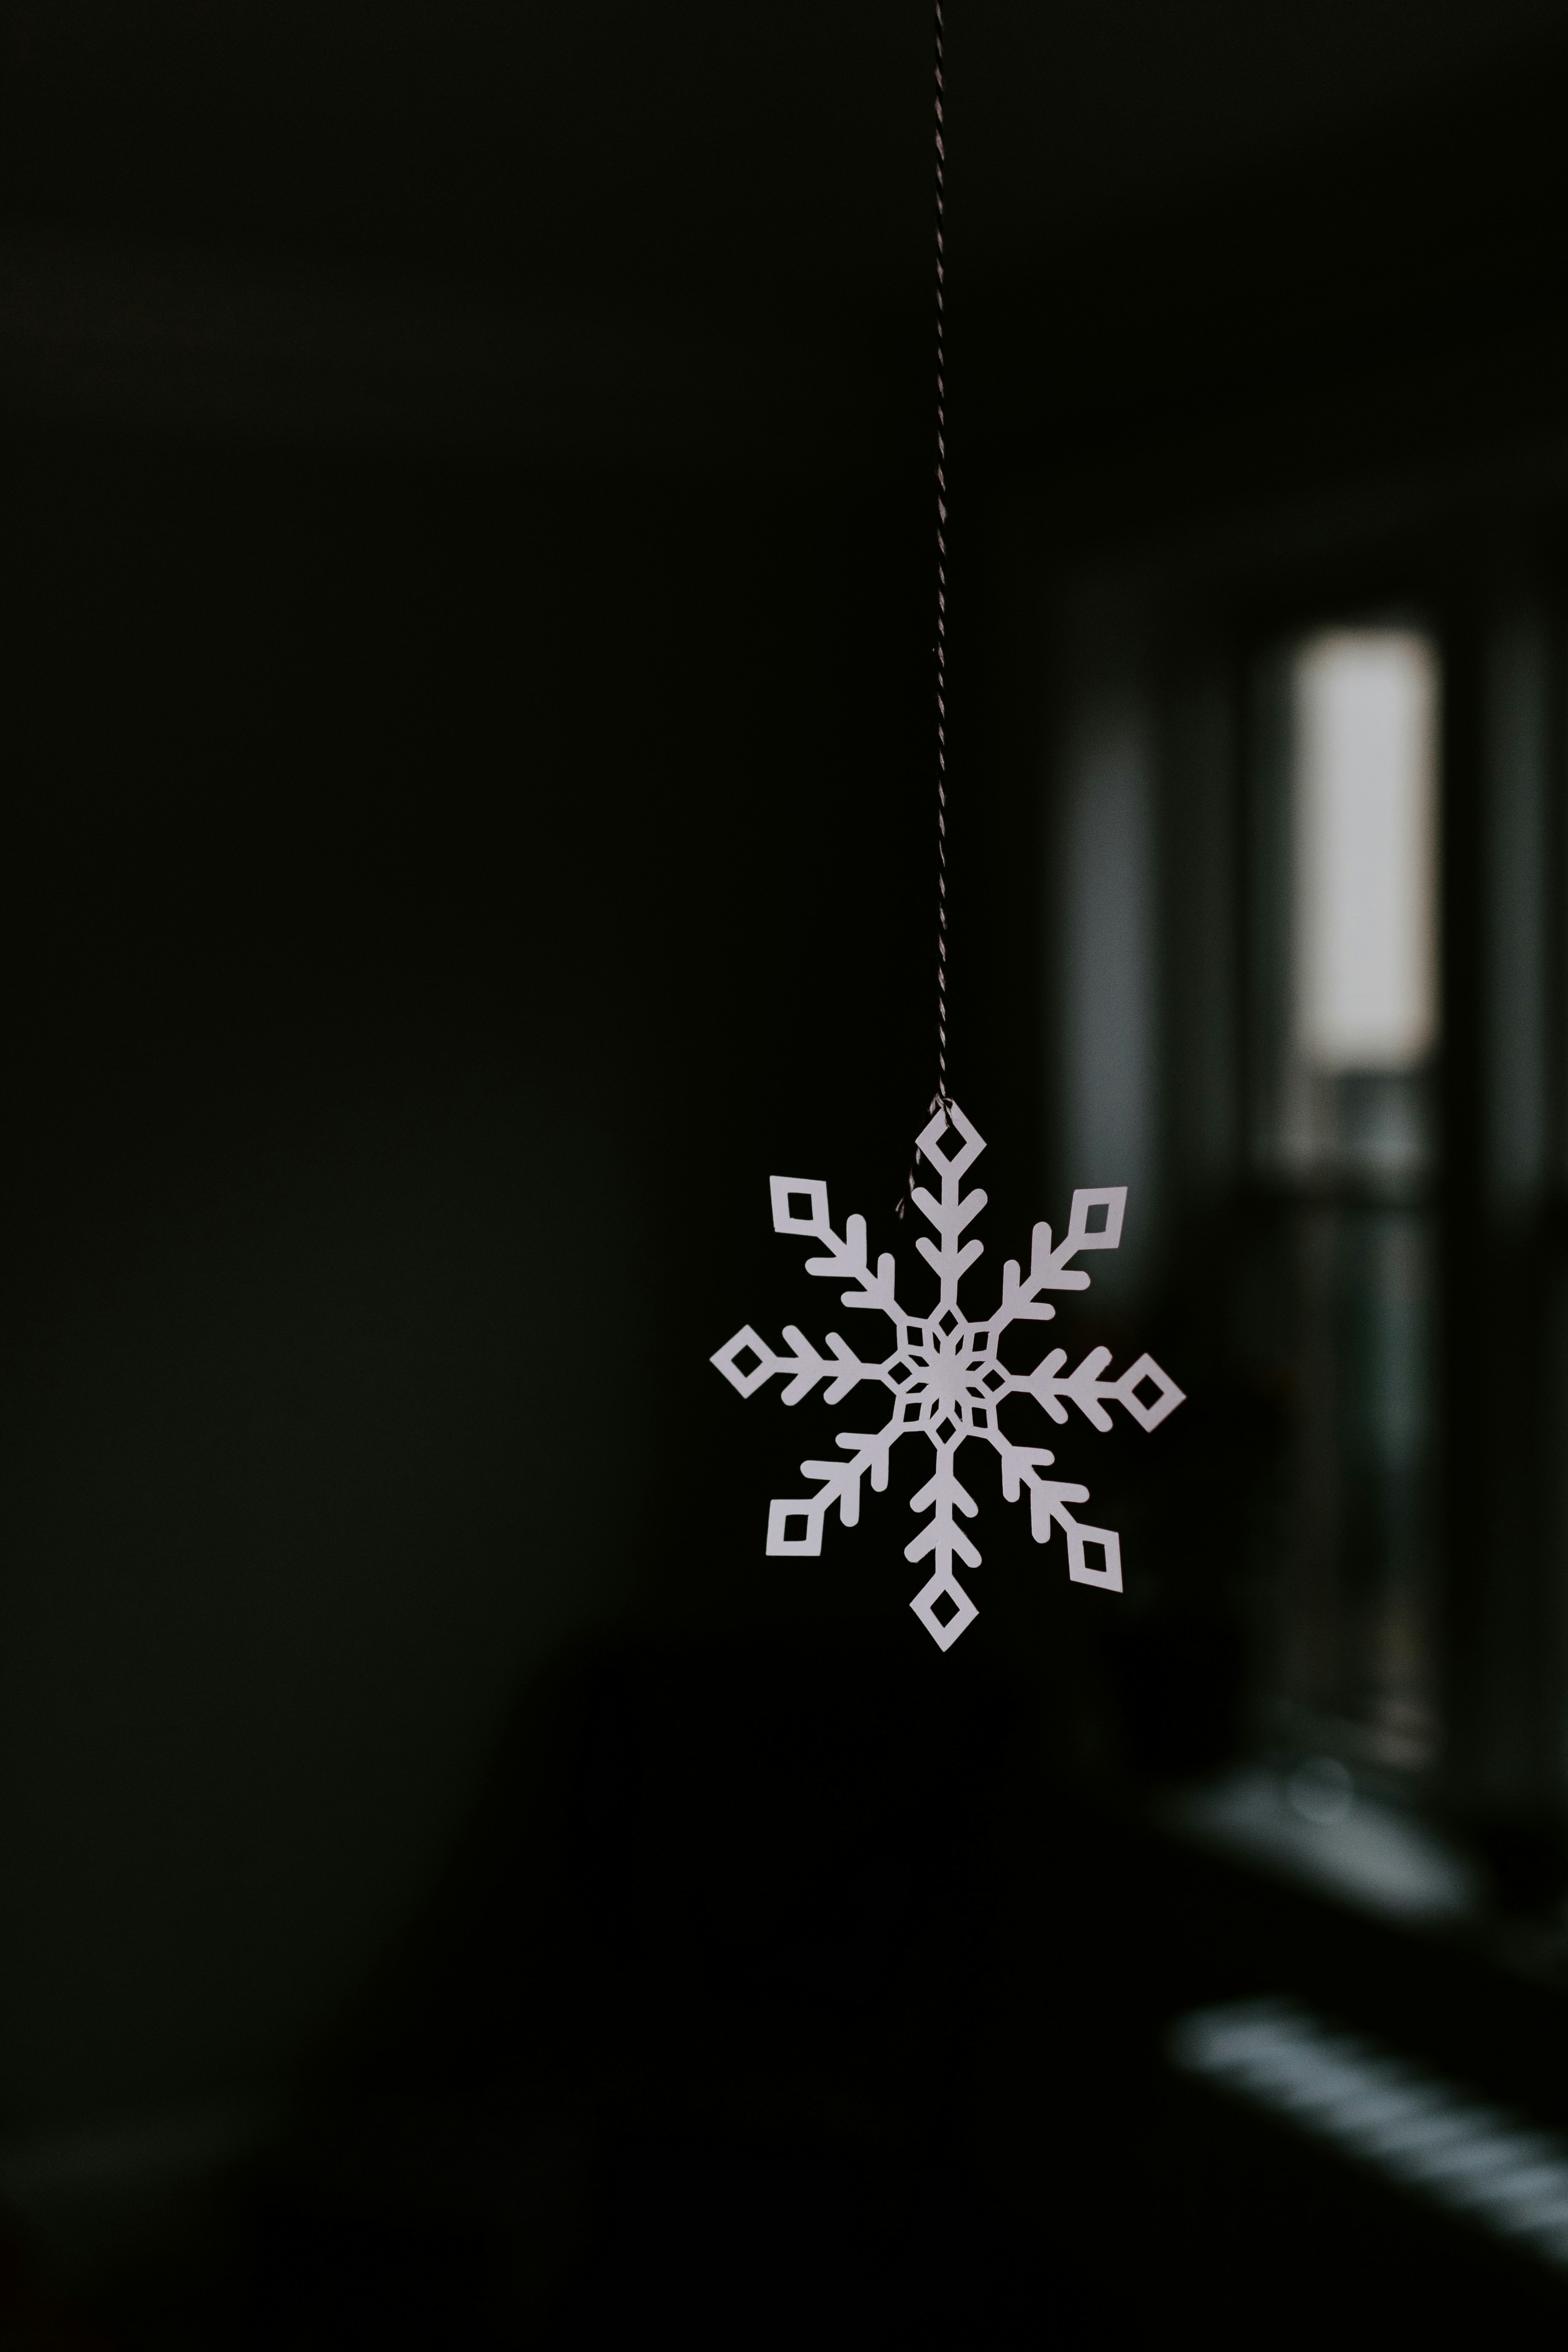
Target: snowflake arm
[(841, 1485), (805, 1367), (1047, 1385), (846, 1257)]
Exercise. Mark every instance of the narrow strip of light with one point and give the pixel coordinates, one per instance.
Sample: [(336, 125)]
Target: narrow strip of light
[(1388, 2112)]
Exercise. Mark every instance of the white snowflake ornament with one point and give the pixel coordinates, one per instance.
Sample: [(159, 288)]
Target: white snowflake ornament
[(946, 1377)]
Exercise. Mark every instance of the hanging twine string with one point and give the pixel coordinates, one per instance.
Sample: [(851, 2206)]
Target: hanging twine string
[(941, 1094), (942, 1100)]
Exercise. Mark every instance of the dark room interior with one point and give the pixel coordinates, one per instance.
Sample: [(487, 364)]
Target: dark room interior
[(469, 806)]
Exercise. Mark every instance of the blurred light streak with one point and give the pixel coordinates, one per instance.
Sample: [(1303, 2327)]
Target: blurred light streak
[(1311, 1827), (1389, 2113)]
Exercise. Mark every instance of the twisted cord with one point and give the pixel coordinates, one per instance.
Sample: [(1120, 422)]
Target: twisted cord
[(942, 1100), (942, 1096)]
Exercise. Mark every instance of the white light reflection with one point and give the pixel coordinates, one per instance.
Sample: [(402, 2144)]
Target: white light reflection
[(1365, 794), (1390, 2113)]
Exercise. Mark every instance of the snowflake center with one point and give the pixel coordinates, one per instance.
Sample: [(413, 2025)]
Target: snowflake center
[(947, 1361)]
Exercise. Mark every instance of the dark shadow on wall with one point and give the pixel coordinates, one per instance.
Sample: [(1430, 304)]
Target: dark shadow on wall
[(416, 908)]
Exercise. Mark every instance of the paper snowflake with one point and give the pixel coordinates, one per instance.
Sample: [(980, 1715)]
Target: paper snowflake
[(947, 1379)]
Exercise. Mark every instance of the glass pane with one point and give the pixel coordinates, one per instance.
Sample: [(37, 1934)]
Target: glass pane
[(1360, 836), (1353, 1665), (1365, 994)]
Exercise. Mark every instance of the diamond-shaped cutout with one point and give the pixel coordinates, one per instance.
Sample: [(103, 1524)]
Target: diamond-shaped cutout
[(947, 1323), (944, 1630), (800, 1206), (1146, 1373), (795, 1531), (993, 1380), (1082, 1542), (1106, 1207), (745, 1361), (950, 1143), (945, 1428)]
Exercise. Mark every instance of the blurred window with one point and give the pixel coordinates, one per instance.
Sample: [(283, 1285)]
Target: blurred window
[(1348, 964), (1365, 799)]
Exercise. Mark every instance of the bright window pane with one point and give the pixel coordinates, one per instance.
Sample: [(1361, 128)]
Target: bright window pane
[(1366, 861)]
